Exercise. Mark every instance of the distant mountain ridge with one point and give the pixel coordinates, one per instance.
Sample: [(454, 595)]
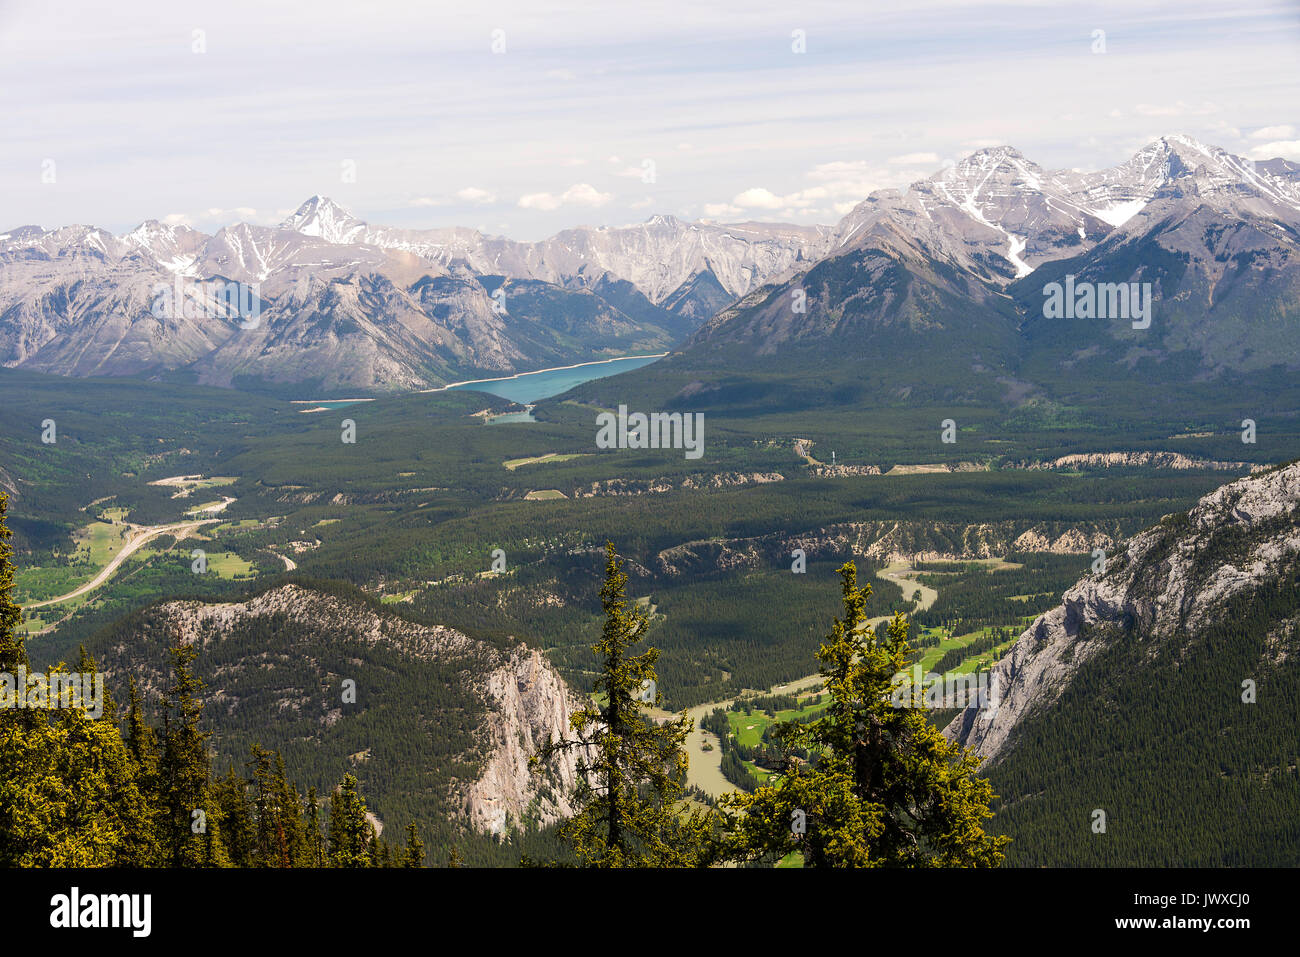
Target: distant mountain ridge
[(941, 288), (948, 271), (348, 306)]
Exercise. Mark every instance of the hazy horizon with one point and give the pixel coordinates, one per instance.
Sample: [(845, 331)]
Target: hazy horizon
[(597, 116)]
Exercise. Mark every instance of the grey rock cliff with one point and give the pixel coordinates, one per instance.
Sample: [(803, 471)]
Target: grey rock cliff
[(1173, 577)]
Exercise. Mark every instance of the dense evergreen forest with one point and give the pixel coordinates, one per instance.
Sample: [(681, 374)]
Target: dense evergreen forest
[(411, 524), (132, 790), (151, 787), (1162, 739), (416, 521)]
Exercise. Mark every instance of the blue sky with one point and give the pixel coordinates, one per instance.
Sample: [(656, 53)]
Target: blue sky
[(596, 113)]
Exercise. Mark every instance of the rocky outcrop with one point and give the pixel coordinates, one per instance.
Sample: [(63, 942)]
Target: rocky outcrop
[(526, 701), (1073, 541), (885, 542), (530, 705), (661, 485), (842, 471), (1109, 460), (7, 484), (1171, 579)]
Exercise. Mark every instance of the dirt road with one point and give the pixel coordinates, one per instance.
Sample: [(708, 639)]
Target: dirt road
[(141, 537)]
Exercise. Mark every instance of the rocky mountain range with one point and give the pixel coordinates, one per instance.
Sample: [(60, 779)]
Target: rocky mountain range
[(952, 269), (955, 272), (346, 306)]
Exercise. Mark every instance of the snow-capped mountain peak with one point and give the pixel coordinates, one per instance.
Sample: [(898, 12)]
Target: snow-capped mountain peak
[(320, 216), (1181, 165), (664, 219), (174, 247), (997, 202)]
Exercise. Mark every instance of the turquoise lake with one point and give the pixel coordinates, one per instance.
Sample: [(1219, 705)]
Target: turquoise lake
[(531, 386)]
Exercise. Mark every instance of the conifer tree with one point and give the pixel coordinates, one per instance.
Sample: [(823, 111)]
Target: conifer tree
[(630, 769), (380, 853), (414, 856), (68, 794), (289, 842), (141, 741), (12, 651), (313, 838), (351, 834), (271, 810), (188, 812), (30, 791), (238, 831), (884, 787), (77, 792)]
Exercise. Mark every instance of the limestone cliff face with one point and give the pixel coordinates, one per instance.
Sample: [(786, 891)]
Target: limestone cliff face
[(1161, 460), (890, 541), (530, 703), (620, 486), (1172, 578), (7, 484), (526, 701)]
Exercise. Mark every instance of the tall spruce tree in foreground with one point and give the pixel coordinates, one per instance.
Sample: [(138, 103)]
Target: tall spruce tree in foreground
[(884, 788), (12, 651), (630, 769), (190, 814), (414, 854), (352, 836), (68, 793)]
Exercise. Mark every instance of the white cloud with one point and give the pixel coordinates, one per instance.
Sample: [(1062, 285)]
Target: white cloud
[(544, 201), (473, 194), (855, 180), (844, 183), (720, 210), (470, 194), (1287, 149), (579, 194), (584, 194), (177, 219), (914, 159), (643, 203), (802, 200), (758, 198), (516, 118)]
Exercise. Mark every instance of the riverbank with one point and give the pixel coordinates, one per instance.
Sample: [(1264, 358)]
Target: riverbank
[(705, 767)]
